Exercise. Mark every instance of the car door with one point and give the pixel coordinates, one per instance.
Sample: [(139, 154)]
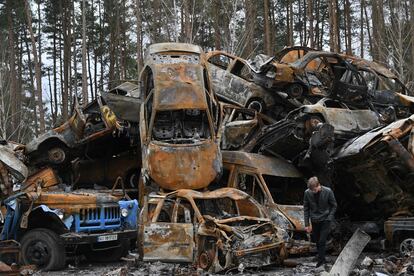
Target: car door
[(218, 65), (169, 238)]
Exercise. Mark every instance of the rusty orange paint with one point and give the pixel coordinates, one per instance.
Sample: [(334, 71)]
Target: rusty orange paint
[(191, 166)]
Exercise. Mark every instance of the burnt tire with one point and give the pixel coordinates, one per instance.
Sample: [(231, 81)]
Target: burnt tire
[(256, 104), (43, 248), (109, 255)]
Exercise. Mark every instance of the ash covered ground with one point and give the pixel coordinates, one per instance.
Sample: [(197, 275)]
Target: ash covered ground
[(369, 263)]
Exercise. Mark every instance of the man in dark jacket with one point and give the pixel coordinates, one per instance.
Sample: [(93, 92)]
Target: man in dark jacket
[(319, 206)]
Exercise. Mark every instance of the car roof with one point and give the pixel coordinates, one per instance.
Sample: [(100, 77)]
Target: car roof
[(174, 47), (263, 164)]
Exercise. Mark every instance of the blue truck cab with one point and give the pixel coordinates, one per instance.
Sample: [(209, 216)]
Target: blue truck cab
[(54, 225)]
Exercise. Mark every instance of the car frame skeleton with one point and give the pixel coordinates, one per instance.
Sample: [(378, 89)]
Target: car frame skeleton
[(214, 230), (179, 119), (276, 185)]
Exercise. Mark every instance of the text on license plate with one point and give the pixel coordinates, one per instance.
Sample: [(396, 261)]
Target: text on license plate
[(107, 238)]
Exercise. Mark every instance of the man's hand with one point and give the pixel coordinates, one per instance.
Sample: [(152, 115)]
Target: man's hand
[(308, 229)]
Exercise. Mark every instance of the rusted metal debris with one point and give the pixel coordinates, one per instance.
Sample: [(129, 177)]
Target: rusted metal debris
[(349, 255), (214, 230)]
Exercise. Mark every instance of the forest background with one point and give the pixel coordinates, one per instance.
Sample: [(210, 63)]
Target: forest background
[(53, 51)]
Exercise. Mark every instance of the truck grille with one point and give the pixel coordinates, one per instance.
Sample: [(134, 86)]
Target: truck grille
[(95, 219)]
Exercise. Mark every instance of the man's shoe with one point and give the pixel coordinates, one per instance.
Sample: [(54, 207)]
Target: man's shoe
[(320, 263)]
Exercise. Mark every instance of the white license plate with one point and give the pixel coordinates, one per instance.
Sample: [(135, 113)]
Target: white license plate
[(107, 238)]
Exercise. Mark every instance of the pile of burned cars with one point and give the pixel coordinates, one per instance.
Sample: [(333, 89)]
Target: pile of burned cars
[(204, 161), (73, 189), (351, 126)]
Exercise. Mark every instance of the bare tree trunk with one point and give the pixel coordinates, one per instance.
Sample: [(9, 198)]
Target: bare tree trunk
[(348, 27), (84, 73), (66, 59), (250, 22), (54, 118), (289, 23), (412, 35), (333, 29), (216, 24), (361, 31), (138, 13), (112, 45), (305, 23), (37, 69), (187, 21), (101, 47), (13, 74), (310, 19), (371, 50), (301, 36), (377, 30), (267, 28), (73, 84), (50, 93), (32, 86), (88, 55)]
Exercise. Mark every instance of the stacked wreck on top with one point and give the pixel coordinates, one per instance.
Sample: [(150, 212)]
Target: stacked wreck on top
[(180, 117), (204, 161)]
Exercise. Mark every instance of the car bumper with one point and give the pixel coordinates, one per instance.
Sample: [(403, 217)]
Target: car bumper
[(90, 238)]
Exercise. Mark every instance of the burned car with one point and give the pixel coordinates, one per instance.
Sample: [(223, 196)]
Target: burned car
[(290, 137), (179, 119), (292, 54), (387, 93), (316, 74), (232, 80), (379, 169), (374, 173), (275, 184), (214, 230), (239, 125), (90, 131)]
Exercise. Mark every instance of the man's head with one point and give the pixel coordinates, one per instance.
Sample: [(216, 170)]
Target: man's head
[(314, 185)]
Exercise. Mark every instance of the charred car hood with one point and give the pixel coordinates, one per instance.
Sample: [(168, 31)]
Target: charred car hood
[(185, 166)]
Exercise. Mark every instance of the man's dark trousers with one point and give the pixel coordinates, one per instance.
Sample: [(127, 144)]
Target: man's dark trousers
[(320, 232)]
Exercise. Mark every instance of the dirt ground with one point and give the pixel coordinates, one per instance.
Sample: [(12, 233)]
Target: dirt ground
[(305, 266)]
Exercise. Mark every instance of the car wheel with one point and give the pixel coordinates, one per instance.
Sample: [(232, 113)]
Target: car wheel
[(257, 104), (56, 155), (205, 259), (43, 248), (109, 255), (407, 248), (295, 90)]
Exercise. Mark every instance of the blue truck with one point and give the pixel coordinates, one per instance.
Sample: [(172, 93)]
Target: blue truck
[(53, 225)]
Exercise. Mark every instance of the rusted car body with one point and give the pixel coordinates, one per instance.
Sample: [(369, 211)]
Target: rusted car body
[(12, 169), (378, 169), (232, 80), (275, 184), (215, 230), (292, 54), (239, 125), (179, 119), (314, 75), (88, 131), (385, 88), (374, 181), (290, 137)]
